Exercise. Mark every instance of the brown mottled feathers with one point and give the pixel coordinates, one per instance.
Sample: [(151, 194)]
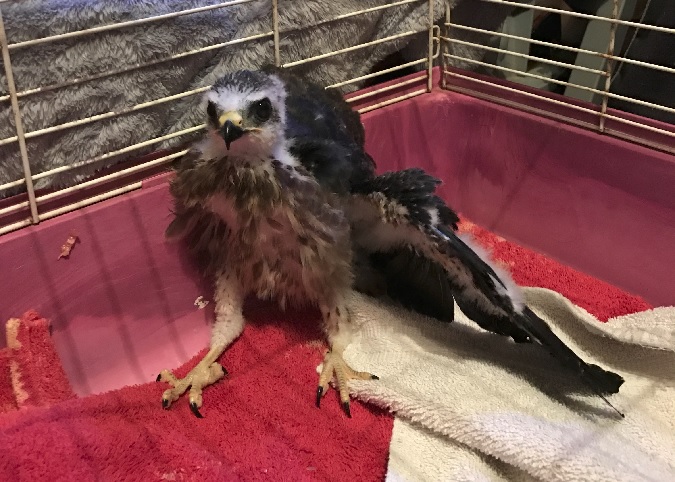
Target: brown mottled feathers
[(197, 179), (286, 232)]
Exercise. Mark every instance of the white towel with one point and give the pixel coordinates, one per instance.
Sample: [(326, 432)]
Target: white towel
[(475, 406)]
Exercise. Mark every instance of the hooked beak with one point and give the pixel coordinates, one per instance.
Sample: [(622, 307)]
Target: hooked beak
[(230, 127)]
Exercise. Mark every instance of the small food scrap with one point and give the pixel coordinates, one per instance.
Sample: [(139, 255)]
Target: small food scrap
[(201, 303), (68, 246)]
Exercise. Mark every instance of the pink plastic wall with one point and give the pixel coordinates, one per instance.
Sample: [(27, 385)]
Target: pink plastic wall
[(123, 306)]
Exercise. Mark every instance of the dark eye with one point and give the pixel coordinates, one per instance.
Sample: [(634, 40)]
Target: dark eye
[(261, 110), (212, 112)]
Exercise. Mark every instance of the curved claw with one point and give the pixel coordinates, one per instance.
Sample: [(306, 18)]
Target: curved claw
[(319, 393), (165, 404), (159, 377), (195, 409), (345, 406)]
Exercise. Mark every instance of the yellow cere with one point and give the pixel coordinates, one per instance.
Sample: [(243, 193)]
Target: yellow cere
[(232, 116)]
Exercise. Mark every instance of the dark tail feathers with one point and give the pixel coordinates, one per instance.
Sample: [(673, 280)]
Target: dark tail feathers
[(604, 381), (601, 381)]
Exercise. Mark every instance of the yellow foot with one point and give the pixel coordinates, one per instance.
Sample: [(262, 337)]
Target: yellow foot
[(333, 363), (199, 378)]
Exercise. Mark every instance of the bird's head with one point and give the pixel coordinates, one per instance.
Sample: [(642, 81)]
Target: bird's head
[(246, 113)]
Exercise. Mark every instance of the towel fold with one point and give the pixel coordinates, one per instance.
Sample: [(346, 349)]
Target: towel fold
[(472, 405), (37, 377), (31, 374)]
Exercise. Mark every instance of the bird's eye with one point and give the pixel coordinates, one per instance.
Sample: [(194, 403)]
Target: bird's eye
[(212, 112), (261, 110), (211, 109)]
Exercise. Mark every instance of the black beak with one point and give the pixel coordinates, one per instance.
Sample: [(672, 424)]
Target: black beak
[(230, 133)]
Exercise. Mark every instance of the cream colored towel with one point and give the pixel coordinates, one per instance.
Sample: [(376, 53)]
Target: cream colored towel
[(474, 406)]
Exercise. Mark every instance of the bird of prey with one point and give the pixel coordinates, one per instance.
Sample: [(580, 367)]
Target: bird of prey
[(280, 200)]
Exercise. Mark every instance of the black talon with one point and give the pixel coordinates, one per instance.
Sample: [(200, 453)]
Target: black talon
[(319, 392), (159, 377), (223, 369), (345, 405), (374, 377), (165, 404), (195, 410)]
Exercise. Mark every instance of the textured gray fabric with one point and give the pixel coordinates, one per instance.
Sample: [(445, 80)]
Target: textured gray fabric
[(65, 60)]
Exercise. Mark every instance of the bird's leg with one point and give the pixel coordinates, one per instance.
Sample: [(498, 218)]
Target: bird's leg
[(227, 327), (337, 323)]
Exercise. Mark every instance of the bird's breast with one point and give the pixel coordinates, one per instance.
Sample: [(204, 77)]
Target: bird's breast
[(283, 252), (284, 236)]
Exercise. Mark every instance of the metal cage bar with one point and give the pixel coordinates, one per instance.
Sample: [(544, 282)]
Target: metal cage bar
[(625, 23), (110, 73), (18, 122), (525, 56), (563, 47), (129, 23), (608, 65), (272, 33), (563, 83)]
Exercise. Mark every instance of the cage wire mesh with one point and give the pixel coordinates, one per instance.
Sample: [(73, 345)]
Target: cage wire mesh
[(607, 65), (99, 94)]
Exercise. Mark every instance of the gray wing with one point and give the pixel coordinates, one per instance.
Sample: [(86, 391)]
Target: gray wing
[(402, 226)]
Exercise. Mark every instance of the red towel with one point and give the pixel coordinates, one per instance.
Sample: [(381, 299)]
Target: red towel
[(7, 397), (260, 423), (37, 377)]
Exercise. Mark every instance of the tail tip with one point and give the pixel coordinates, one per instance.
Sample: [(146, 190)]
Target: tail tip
[(608, 382)]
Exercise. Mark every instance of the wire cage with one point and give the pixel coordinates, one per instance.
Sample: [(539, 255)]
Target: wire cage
[(499, 62), (574, 81)]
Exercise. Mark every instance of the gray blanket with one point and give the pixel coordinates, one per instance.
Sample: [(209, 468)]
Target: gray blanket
[(80, 57)]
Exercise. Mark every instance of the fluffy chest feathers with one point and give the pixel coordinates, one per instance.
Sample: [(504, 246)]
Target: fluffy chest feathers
[(272, 226)]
